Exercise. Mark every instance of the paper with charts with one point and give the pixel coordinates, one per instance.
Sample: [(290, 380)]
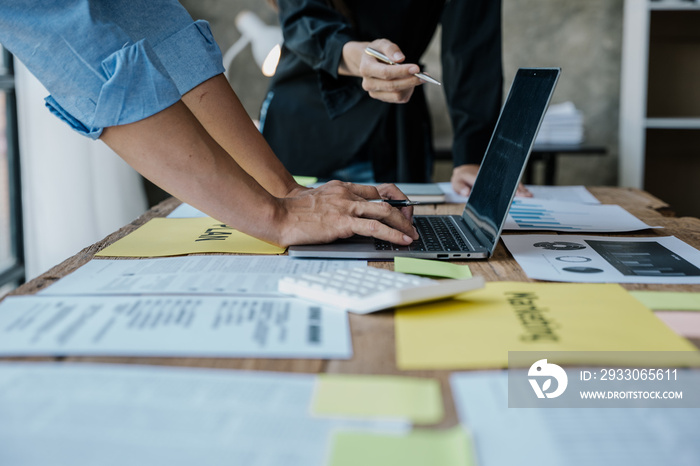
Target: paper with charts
[(593, 259), (177, 236), (543, 214), (172, 326), (476, 330)]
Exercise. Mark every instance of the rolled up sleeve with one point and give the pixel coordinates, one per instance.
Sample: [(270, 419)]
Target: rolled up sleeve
[(135, 86), (191, 56), (108, 63)]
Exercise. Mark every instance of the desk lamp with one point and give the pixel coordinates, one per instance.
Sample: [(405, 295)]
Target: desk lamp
[(265, 42)]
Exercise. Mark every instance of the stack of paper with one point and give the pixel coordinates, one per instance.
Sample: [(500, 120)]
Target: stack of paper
[(562, 124)]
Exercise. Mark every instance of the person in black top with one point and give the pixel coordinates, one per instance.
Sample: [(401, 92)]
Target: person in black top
[(332, 107)]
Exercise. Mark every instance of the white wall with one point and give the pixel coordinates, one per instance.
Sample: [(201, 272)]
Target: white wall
[(75, 191)]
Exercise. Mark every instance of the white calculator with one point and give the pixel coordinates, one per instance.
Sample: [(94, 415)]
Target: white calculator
[(368, 289)]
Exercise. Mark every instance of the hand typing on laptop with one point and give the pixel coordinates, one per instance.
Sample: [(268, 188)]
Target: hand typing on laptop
[(475, 233), (340, 210)]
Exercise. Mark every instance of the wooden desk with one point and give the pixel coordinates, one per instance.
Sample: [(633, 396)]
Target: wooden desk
[(373, 335)]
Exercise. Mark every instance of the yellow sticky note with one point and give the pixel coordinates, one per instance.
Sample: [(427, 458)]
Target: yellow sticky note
[(175, 236), (413, 398), (669, 300), (433, 268), (450, 447), (478, 329), (305, 180)]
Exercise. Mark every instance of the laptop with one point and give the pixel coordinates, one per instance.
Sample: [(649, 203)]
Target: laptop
[(475, 233)]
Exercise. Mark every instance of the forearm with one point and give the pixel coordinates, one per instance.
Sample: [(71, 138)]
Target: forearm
[(172, 149), (175, 152), (218, 109)]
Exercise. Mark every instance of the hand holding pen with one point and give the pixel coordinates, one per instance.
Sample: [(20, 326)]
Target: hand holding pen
[(381, 66), (402, 203), (380, 56)]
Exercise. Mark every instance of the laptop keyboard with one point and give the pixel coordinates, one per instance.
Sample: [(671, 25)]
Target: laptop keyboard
[(436, 234)]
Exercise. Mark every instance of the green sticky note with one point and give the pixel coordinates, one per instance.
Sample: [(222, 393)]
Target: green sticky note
[(450, 447), (432, 268), (416, 399), (305, 180), (668, 300)]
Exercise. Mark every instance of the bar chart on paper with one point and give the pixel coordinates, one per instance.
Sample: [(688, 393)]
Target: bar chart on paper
[(541, 214)]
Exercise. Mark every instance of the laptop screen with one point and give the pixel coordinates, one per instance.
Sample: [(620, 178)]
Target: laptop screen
[(508, 151)]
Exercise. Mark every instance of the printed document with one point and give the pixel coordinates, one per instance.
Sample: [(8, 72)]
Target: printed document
[(593, 259), (193, 275), (169, 326), (117, 415), (542, 214), (571, 436)]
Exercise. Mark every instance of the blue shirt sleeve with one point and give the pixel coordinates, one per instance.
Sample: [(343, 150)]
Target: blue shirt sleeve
[(109, 62)]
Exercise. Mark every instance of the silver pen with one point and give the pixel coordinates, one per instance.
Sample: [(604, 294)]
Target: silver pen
[(402, 203), (380, 56)]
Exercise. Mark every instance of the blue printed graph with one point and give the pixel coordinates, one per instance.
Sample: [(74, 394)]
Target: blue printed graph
[(532, 215), (544, 214)]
